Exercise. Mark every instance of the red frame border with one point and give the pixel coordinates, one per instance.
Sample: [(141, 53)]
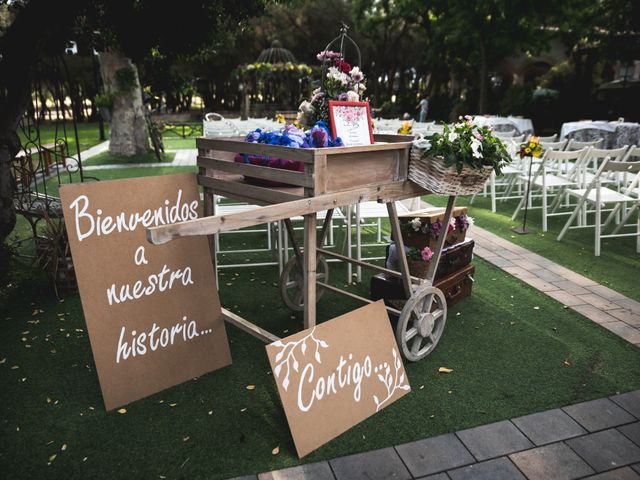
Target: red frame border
[(338, 103)]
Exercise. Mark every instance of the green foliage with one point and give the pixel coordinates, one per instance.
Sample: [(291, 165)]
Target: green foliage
[(126, 80), (464, 144), (104, 100), (516, 100)]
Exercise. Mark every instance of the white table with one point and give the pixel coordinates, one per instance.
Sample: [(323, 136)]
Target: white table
[(615, 134), (522, 125)]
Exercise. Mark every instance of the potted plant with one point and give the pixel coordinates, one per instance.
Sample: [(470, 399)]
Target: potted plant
[(459, 160), (53, 255)]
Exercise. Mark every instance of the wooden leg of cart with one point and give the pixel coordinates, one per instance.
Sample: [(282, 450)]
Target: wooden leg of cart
[(309, 271)]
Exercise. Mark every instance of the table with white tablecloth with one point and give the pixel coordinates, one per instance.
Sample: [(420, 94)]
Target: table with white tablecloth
[(505, 124), (614, 134)]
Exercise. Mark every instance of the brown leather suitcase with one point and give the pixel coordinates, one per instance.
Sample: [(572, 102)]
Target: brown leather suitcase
[(456, 286), (453, 258)]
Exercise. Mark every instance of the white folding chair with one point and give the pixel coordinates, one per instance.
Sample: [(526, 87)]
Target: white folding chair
[(577, 145), (554, 145), (549, 180), (548, 139), (597, 195)]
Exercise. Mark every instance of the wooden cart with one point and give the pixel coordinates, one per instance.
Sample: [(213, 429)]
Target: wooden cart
[(332, 178)]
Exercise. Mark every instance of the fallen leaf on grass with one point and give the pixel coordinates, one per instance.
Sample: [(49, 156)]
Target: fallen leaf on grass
[(63, 448), (3, 360), (186, 439), (210, 412), (250, 387), (275, 451), (52, 458), (122, 411), (173, 405), (445, 370), (567, 363), (536, 308)]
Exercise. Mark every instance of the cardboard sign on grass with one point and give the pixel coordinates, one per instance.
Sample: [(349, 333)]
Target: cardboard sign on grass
[(335, 375), (152, 311)]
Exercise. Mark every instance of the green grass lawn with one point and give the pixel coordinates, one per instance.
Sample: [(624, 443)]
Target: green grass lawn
[(88, 134), (105, 158), (177, 143), (511, 353), (618, 266)]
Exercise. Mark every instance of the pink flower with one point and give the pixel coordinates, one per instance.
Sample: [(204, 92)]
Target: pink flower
[(426, 254)]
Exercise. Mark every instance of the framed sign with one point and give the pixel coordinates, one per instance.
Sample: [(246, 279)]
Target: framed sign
[(351, 121), (336, 374), (152, 311)]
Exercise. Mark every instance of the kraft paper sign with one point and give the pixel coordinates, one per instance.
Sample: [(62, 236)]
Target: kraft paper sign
[(335, 375), (152, 311)]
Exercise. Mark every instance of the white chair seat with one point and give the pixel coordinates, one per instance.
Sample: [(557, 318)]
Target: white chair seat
[(606, 195), (551, 181)]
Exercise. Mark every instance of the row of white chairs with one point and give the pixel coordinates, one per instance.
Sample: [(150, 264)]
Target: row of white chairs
[(215, 125), (581, 185)]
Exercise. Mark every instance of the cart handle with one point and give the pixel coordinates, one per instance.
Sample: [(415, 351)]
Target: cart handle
[(271, 213)]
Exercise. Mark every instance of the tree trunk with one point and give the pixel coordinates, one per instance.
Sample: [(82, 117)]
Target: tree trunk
[(484, 73), (128, 135)]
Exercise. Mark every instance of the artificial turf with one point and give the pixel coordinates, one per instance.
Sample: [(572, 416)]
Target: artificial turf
[(618, 266), (512, 349)]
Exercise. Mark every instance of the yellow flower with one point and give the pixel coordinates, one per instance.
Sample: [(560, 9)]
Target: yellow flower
[(537, 153), (527, 150)]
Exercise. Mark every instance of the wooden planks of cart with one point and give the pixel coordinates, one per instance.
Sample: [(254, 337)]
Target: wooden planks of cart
[(332, 178)]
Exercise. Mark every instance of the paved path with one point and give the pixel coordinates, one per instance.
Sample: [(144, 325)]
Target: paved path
[(183, 158), (599, 439), (610, 309)]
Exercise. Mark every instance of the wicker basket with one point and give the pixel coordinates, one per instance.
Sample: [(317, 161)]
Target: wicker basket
[(418, 268), (431, 174)]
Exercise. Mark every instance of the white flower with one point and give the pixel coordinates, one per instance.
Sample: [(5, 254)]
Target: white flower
[(452, 222), (452, 136), (352, 96), (416, 224), (356, 74), (471, 221), (361, 87), (476, 147)]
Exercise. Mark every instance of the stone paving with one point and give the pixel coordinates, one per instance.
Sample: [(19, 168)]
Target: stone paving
[(599, 439), (610, 309)]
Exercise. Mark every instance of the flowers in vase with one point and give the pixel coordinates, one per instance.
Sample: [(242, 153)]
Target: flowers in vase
[(416, 254), (342, 82), (531, 148)]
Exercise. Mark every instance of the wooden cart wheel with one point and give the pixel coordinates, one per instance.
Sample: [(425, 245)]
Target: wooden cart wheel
[(292, 282), (421, 322)]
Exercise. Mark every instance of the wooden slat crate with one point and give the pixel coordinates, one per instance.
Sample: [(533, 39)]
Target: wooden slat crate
[(326, 170)]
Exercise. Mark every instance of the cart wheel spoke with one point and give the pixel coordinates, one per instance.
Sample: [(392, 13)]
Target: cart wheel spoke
[(412, 332), (292, 282), (421, 322), (415, 346)]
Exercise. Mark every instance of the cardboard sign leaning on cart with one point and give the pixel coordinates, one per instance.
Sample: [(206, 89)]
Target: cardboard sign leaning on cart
[(152, 312)]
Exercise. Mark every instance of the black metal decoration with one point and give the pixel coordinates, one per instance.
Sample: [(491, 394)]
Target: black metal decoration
[(523, 230)]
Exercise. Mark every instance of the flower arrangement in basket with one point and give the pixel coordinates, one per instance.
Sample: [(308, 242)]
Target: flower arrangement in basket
[(459, 160)]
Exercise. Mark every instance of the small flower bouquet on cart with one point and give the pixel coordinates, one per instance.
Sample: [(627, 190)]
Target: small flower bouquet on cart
[(459, 160)]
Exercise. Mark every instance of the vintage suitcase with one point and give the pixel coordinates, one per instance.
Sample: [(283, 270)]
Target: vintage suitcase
[(456, 286), (453, 258)]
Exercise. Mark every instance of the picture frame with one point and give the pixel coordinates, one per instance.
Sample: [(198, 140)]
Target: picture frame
[(351, 121)]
